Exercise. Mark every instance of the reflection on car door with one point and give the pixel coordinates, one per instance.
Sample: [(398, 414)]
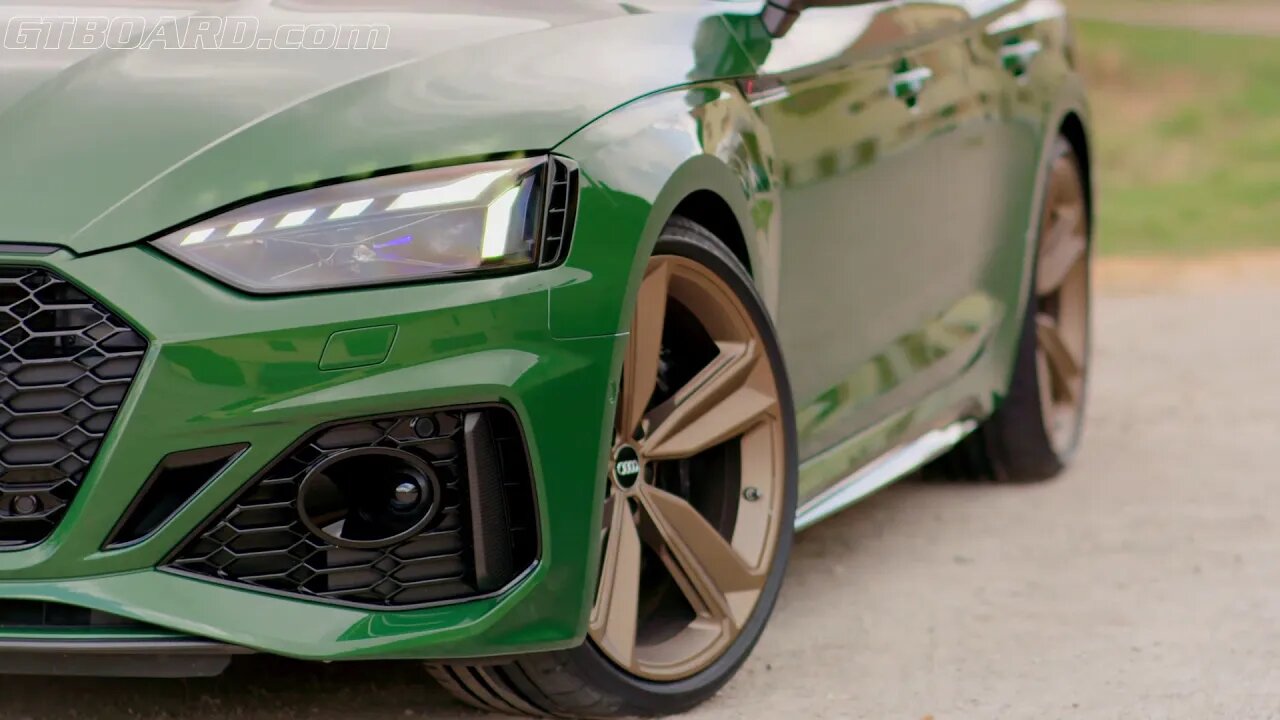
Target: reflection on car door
[(887, 218), (1013, 69), (833, 122)]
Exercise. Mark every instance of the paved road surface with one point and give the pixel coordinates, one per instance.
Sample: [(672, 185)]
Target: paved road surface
[(1145, 584)]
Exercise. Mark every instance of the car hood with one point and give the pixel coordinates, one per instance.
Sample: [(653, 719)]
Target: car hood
[(100, 148)]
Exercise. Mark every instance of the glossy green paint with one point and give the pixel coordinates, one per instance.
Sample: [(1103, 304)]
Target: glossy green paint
[(891, 243), (943, 349), (300, 629), (248, 371), (888, 331), (102, 149), (954, 363), (360, 347)]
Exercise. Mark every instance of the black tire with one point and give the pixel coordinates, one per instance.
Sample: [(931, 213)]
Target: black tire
[(1013, 445), (583, 682)]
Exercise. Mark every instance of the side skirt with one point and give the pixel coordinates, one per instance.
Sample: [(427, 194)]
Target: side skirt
[(891, 466)]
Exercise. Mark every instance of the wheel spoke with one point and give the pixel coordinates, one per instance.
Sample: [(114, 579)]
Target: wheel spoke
[(1047, 384), (718, 582), (1064, 247), (722, 401), (614, 617), (649, 523), (640, 375), (606, 518), (1064, 366)]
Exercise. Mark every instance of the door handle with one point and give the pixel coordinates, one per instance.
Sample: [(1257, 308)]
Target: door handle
[(908, 84), (1017, 55)]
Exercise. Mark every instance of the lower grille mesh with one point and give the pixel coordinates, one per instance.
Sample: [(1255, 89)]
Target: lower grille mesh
[(259, 539), (66, 363)]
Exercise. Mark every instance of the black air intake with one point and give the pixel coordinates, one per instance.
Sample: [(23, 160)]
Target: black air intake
[(562, 211), (66, 362), (400, 511), (173, 483)]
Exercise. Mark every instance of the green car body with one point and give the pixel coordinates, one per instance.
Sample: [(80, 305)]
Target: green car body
[(832, 190)]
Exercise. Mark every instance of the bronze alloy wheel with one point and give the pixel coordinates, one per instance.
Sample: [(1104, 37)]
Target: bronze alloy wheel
[(1062, 304), (698, 518), (697, 481)]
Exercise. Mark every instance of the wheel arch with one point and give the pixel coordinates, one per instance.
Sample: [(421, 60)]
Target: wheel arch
[(713, 193), (698, 152), (1068, 120), (1066, 117), (1074, 130), (711, 211), (737, 200)]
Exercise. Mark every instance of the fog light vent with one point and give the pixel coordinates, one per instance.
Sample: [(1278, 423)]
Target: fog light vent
[(398, 511), (369, 498)]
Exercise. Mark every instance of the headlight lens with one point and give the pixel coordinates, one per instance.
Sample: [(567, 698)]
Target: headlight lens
[(395, 228)]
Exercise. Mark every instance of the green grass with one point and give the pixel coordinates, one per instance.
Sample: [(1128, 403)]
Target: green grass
[(1187, 129), (1087, 5)]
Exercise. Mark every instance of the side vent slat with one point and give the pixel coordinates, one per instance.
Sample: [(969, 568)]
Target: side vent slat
[(562, 211), (490, 525), (177, 479)]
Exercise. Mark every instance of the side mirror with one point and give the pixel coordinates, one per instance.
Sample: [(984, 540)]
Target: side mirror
[(780, 15)]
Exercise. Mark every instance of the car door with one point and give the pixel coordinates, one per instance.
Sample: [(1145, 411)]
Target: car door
[(823, 92), (1012, 67), (993, 44), (872, 118)]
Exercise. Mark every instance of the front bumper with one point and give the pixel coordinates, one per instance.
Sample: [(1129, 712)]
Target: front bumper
[(224, 368)]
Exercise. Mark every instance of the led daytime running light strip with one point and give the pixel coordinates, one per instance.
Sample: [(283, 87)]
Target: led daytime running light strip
[(468, 189)]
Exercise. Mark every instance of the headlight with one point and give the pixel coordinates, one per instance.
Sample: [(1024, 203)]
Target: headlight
[(396, 228)]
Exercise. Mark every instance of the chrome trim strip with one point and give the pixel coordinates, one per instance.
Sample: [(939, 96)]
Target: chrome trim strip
[(891, 466)]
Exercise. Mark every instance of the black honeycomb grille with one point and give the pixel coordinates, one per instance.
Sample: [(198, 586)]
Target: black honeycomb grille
[(259, 540), (66, 363)]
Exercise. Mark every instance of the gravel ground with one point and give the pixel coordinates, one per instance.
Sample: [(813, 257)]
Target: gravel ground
[(1143, 584)]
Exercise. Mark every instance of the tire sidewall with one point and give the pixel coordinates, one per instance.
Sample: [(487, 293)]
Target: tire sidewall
[(1063, 149)]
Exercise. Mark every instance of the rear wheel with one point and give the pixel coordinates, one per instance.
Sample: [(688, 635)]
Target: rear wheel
[(698, 516), (1037, 429)]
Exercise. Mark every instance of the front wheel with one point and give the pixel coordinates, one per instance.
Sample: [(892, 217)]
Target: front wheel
[(700, 507)]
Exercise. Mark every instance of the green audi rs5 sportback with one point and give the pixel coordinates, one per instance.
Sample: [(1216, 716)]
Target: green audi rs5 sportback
[(520, 338)]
